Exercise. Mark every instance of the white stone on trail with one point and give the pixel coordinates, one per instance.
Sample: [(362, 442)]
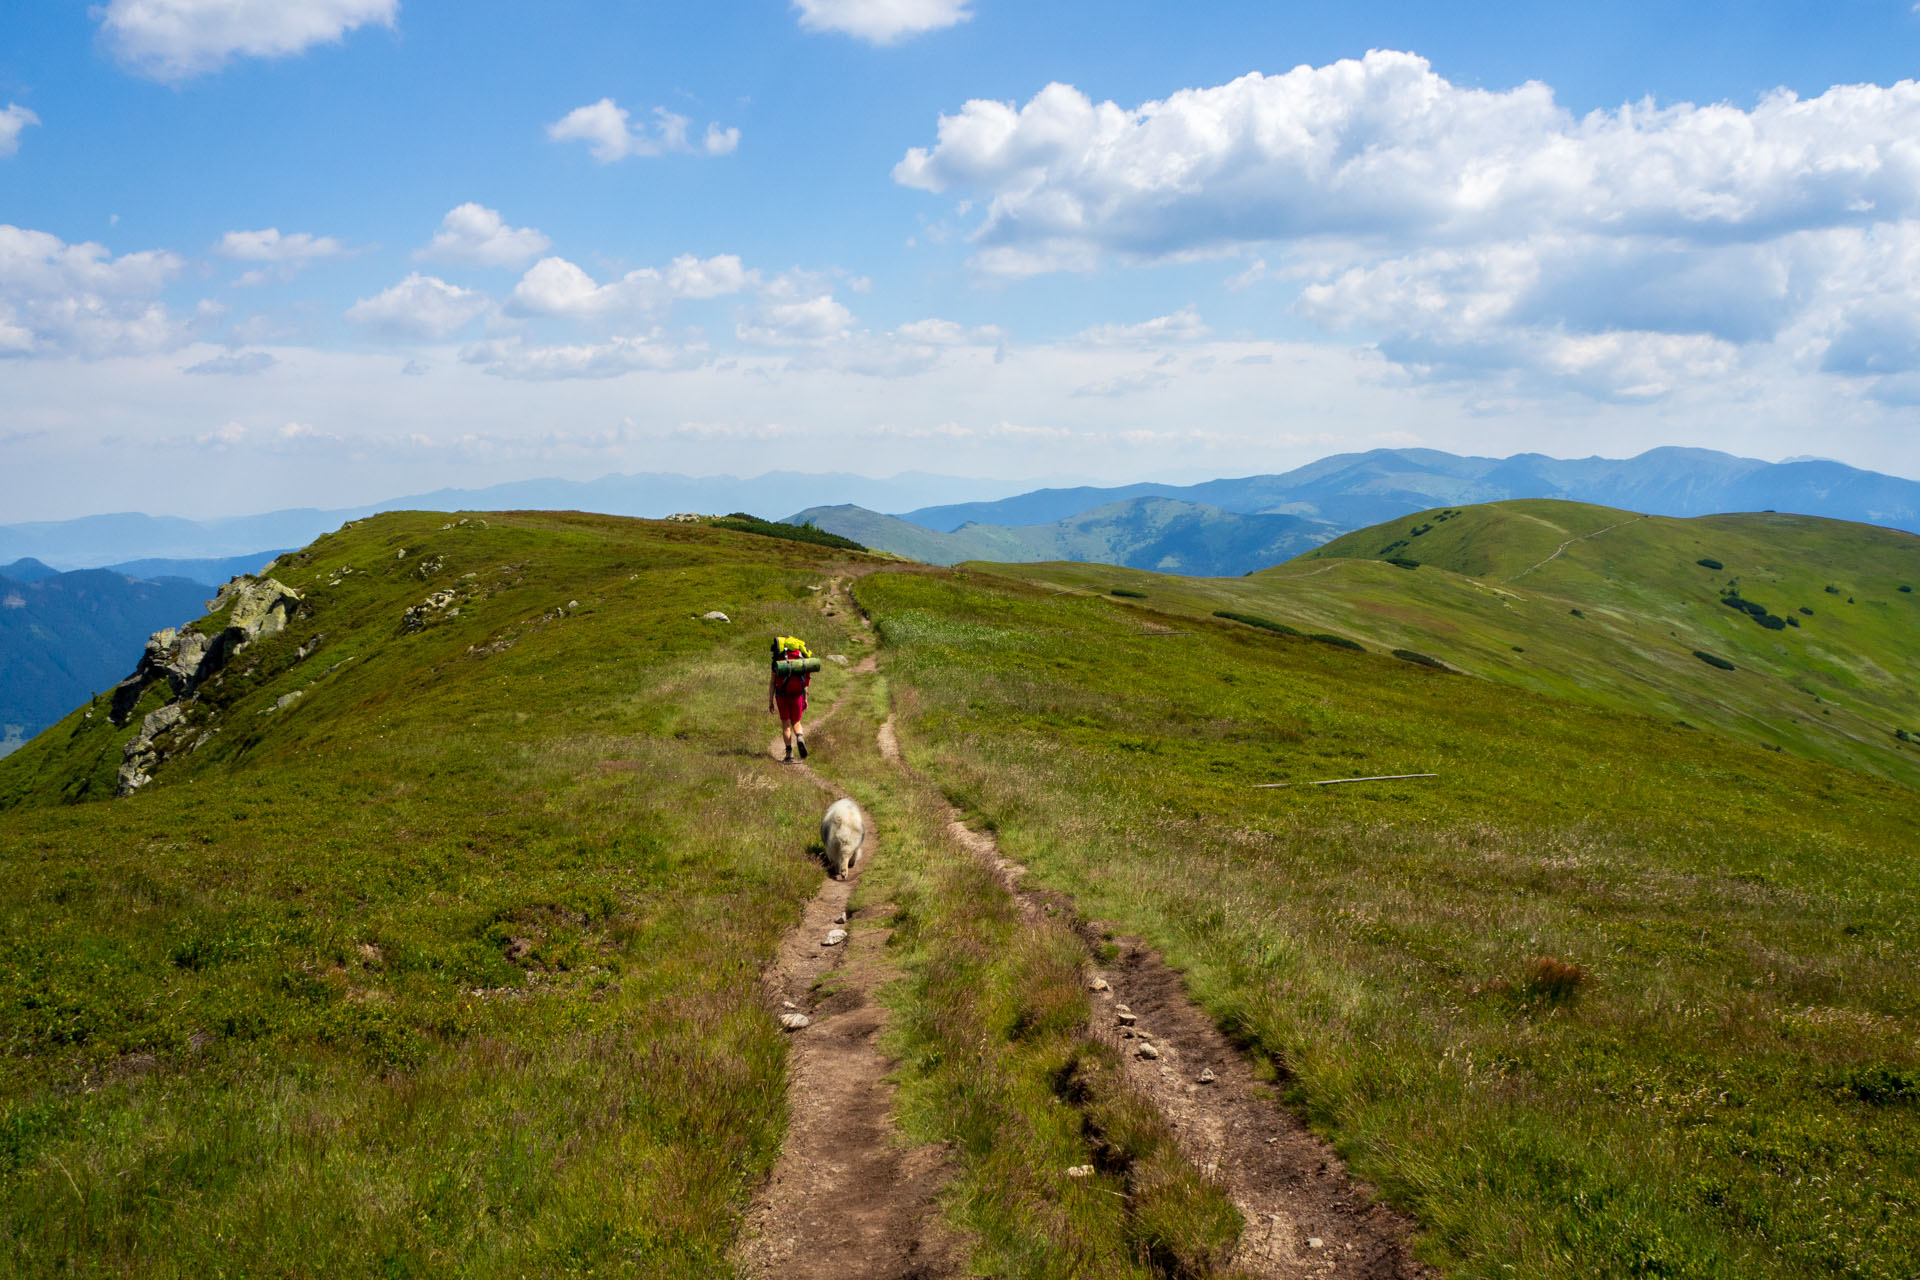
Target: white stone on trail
[(794, 1021), (1126, 1019), (1206, 1076), (840, 658), (1080, 1171), (1148, 1051), (834, 938), (1098, 984), (714, 615), (1314, 1242)]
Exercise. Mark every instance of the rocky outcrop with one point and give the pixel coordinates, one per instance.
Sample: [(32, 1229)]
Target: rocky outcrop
[(186, 658)]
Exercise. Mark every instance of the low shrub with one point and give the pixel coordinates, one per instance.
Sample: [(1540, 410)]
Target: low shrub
[(1265, 624), (1576, 613), (1338, 642), (1129, 594), (1409, 655), (741, 522), (1807, 611), (1555, 980), (1881, 1085), (1403, 562), (1832, 590), (1904, 587), (1713, 660), (1904, 736), (1709, 563)]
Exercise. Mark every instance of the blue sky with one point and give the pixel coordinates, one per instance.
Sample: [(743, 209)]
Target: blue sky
[(256, 253)]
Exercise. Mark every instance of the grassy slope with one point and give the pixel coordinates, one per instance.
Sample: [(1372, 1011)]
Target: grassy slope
[(1835, 687), (273, 1015), (1732, 1091)]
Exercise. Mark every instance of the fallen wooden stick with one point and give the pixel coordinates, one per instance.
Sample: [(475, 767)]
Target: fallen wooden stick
[(1328, 782)]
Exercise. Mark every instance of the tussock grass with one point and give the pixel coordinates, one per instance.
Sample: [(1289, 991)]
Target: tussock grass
[(1745, 922), (453, 967), (990, 1024)]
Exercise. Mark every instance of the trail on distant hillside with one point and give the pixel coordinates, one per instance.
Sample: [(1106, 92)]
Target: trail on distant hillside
[(1304, 1214), (849, 1198), (1557, 551)]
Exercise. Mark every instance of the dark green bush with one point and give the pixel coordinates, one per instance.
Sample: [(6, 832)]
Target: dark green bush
[(1576, 613), (1409, 655), (1131, 595), (1338, 642), (741, 522), (1806, 611), (1881, 1085), (1832, 590), (1713, 660), (1709, 563), (1403, 562), (1265, 624), (1904, 736), (1906, 588)]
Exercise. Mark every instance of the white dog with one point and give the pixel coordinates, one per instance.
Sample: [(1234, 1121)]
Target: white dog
[(841, 832)]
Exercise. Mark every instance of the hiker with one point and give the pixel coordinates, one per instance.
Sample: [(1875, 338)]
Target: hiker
[(787, 693)]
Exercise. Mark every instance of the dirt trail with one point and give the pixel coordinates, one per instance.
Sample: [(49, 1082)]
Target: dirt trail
[(1305, 1215), (848, 1198), (1561, 549)]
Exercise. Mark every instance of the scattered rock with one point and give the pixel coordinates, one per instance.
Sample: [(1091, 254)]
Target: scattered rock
[(840, 658), (714, 615), (794, 1021), (573, 604), (288, 699), (1314, 1242), (841, 918), (1080, 1171), (834, 938), (1099, 984), (417, 616), (1147, 1051), (1125, 1018), (1207, 1076)]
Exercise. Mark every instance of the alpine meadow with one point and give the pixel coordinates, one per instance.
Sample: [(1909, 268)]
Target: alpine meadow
[(438, 941)]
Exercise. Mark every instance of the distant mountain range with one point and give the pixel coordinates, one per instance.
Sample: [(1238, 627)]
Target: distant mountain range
[(1146, 533), (1224, 527), (94, 541)]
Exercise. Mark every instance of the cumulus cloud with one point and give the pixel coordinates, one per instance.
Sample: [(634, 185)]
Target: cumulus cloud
[(1183, 325), (235, 364), (1476, 226), (512, 358), (881, 22), (610, 133), (175, 40), (478, 236), (791, 322), (283, 256), (78, 299), (946, 333), (12, 121), (556, 287), (422, 307)]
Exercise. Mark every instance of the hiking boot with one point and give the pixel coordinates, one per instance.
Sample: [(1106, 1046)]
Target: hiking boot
[(800, 742), (789, 759)]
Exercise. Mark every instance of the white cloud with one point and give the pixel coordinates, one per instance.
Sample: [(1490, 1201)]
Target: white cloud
[(881, 21), (556, 287), (77, 299), (421, 306), (610, 134), (12, 121), (1124, 384), (1623, 252), (511, 358), (796, 322), (476, 235), (175, 40), (235, 363), (946, 333), (285, 256), (1183, 325)]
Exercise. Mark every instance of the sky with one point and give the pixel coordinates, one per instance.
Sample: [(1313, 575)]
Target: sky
[(257, 254)]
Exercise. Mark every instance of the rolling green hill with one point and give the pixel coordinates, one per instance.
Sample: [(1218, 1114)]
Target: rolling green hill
[(436, 942), (1609, 607)]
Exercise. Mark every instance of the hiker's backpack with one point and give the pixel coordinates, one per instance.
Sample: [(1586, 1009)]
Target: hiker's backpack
[(793, 665)]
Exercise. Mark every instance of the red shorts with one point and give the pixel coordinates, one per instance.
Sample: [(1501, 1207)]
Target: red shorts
[(791, 708)]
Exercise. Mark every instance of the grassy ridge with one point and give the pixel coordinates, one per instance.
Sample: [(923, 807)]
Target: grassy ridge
[(1713, 1076), (1608, 608), (451, 965)]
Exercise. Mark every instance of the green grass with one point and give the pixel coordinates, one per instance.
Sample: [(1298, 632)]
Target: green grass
[(452, 966), (1608, 608), (1722, 1090), (741, 522)]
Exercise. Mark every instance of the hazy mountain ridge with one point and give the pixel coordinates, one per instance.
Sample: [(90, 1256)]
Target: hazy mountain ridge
[(1352, 491), (1162, 534)]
